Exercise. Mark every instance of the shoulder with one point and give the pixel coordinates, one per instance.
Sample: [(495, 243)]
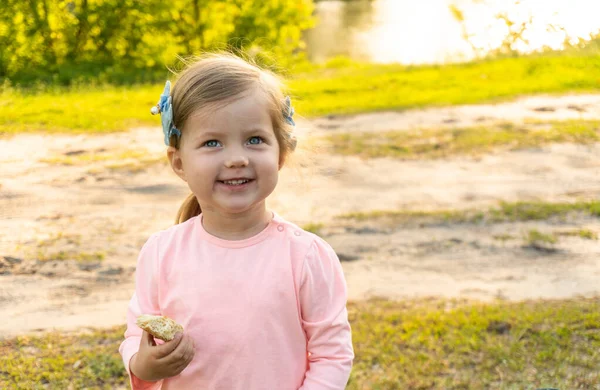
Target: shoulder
[(164, 247), (175, 234), (173, 239), (303, 243)]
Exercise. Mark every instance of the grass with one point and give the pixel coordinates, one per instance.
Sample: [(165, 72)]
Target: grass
[(502, 345), (535, 237), (339, 87), (344, 87), (80, 257), (59, 237), (586, 234), (62, 361), (503, 237), (440, 143), (505, 212), (42, 250), (425, 344)]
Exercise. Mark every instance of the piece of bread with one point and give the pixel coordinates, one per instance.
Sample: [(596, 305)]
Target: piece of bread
[(160, 327)]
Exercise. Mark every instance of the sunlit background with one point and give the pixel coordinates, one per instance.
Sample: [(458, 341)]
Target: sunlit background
[(465, 194), (427, 31)]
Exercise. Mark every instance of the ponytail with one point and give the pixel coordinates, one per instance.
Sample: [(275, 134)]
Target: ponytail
[(189, 209)]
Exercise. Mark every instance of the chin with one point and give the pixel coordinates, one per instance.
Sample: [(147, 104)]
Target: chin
[(237, 208)]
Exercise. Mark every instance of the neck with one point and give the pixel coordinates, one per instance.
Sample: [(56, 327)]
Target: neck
[(238, 226)]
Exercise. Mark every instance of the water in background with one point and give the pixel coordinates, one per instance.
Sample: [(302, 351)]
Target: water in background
[(425, 31)]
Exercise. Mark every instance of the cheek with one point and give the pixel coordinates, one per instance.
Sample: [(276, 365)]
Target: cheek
[(271, 162), (201, 169)]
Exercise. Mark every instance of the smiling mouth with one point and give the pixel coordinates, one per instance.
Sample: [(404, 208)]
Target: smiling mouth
[(236, 182)]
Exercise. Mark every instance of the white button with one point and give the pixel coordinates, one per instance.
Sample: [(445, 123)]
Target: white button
[(280, 228), (297, 233)]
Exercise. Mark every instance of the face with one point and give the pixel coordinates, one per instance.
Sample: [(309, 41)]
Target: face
[(229, 155)]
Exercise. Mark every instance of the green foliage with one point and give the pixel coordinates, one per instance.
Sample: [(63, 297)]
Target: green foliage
[(130, 41)]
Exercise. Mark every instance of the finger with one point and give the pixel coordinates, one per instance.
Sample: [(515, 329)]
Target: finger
[(179, 369), (168, 347), (190, 350), (187, 357), (149, 339), (179, 353)]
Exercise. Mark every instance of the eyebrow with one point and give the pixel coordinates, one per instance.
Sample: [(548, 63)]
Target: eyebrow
[(217, 134)]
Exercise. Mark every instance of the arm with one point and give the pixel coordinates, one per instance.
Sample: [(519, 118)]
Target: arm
[(144, 301), (325, 320)]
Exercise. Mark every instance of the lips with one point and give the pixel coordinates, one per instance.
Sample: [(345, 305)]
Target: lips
[(236, 181)]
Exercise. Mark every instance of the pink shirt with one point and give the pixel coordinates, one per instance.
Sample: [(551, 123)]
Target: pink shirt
[(268, 312)]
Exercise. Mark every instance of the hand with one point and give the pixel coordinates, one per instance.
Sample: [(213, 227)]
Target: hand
[(154, 362)]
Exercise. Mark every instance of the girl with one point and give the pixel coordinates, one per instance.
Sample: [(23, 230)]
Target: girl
[(262, 302)]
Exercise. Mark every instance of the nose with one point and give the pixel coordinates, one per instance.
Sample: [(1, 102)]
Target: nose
[(236, 161)]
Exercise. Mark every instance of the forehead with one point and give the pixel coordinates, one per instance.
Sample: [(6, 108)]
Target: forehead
[(251, 109)]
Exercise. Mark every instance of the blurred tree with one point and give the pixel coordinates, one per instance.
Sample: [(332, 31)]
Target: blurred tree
[(130, 41)]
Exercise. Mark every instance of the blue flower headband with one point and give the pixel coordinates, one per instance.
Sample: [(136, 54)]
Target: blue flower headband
[(164, 107), (289, 111)]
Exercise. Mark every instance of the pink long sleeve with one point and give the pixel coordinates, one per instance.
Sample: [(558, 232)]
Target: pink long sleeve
[(325, 319), (144, 301), (267, 312)]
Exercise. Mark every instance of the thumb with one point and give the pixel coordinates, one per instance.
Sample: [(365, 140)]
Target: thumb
[(149, 339)]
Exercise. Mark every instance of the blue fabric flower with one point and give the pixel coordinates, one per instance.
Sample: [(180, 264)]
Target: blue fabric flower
[(289, 111), (165, 108)]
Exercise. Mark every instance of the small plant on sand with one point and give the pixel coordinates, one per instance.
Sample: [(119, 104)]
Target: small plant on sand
[(586, 234), (538, 240)]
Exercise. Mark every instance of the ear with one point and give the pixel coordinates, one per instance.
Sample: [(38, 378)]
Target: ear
[(174, 156), (281, 162)]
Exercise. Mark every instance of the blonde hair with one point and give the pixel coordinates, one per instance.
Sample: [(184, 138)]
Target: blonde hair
[(219, 79)]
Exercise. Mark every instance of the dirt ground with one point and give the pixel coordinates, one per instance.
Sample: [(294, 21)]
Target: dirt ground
[(75, 210)]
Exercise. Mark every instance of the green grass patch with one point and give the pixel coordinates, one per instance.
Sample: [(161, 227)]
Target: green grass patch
[(503, 237), (81, 257), (61, 361), (345, 87), (59, 238), (44, 249), (440, 143), (505, 212), (535, 237), (586, 234), (399, 345), (502, 345), (93, 109), (339, 87)]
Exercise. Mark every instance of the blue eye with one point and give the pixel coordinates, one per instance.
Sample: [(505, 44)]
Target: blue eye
[(255, 140), (211, 144)]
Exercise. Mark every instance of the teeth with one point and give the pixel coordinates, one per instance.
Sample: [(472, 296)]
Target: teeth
[(235, 182)]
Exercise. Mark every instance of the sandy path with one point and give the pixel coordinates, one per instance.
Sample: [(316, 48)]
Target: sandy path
[(96, 218), (541, 108)]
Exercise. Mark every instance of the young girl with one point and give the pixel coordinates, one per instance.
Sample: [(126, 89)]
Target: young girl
[(262, 302)]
